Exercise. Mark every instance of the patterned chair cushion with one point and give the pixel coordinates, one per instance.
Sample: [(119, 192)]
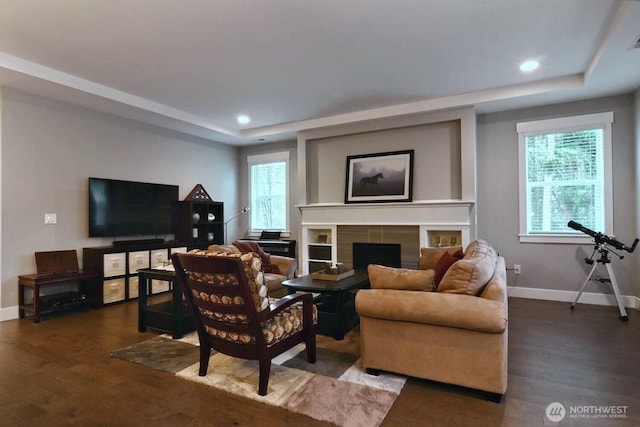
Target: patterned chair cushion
[(283, 325)]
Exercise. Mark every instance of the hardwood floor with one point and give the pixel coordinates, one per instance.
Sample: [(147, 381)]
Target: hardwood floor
[(59, 373)]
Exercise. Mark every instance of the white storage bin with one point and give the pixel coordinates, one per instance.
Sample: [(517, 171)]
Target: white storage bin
[(138, 260), (113, 290), (134, 286), (179, 250), (159, 257), (158, 286), (114, 264)]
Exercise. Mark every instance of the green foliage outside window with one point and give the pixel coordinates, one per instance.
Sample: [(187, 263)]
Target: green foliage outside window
[(565, 180)]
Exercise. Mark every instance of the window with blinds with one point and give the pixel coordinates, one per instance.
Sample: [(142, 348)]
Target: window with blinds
[(565, 170), (268, 187)]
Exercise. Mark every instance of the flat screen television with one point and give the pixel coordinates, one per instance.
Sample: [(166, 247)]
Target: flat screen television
[(126, 208)]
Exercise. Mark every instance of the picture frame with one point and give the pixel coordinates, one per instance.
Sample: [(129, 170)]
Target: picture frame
[(379, 177), (322, 238)]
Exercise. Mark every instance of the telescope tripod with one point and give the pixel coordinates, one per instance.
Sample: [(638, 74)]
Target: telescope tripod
[(604, 260)]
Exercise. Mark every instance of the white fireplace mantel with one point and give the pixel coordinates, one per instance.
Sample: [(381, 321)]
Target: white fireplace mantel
[(431, 212), (428, 216)]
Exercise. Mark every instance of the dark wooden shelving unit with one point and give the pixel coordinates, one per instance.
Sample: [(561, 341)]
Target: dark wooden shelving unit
[(118, 267), (201, 220)]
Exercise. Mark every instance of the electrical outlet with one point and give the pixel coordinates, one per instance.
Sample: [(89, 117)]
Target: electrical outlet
[(50, 218), (517, 269)]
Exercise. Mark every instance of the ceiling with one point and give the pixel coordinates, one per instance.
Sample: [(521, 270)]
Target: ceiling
[(194, 65)]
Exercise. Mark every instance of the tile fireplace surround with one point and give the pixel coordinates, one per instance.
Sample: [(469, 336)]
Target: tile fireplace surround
[(382, 223)]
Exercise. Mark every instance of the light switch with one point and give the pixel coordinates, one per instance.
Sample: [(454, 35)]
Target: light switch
[(50, 218)]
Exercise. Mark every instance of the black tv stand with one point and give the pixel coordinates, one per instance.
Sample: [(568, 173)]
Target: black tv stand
[(118, 243)]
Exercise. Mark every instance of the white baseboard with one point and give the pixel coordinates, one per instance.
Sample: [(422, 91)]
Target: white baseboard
[(569, 296), (9, 313)]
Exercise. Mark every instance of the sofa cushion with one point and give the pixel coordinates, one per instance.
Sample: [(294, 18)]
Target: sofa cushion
[(274, 282), (433, 308), (478, 242), (442, 266), (470, 274), (284, 265), (381, 277), (429, 256)]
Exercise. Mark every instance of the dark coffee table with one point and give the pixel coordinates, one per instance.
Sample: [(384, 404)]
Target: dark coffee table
[(335, 301)]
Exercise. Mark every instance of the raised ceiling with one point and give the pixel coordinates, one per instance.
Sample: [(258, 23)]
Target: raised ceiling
[(290, 65)]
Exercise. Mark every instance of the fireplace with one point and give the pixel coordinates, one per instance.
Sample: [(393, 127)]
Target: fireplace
[(388, 254), (329, 230)]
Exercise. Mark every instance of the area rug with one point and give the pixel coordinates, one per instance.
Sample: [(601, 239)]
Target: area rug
[(350, 396)]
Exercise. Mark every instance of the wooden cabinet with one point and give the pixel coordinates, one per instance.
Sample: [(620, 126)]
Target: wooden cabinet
[(201, 223), (118, 267), (201, 220)]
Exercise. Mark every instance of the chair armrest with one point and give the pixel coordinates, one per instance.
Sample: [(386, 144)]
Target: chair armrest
[(286, 266), (287, 301)]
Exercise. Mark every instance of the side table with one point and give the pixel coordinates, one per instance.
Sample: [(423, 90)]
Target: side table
[(168, 316)]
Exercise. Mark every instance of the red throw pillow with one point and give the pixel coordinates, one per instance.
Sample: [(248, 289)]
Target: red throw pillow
[(443, 264), (267, 267)]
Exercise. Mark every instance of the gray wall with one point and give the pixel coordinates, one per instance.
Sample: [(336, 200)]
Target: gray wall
[(436, 160), (636, 195), (553, 266), (49, 149)]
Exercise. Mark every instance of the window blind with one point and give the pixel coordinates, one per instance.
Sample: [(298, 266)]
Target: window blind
[(565, 180), (269, 196)]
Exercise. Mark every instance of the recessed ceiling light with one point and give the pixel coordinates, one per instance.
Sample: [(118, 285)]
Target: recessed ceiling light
[(243, 120), (529, 65)]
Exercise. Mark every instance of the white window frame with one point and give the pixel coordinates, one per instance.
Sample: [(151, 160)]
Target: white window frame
[(280, 156), (560, 125)]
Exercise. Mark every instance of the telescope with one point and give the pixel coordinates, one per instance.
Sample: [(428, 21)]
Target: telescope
[(601, 238)]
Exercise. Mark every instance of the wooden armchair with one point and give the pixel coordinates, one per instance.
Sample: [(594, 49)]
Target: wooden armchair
[(228, 300)]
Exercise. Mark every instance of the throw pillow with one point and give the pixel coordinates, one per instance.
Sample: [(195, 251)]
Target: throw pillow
[(244, 247), (443, 264), (381, 277), (429, 256), (477, 243), (472, 273)]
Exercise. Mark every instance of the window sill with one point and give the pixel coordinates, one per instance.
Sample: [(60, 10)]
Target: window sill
[(556, 239)]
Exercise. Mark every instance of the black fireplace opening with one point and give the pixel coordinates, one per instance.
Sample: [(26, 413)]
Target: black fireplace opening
[(387, 254)]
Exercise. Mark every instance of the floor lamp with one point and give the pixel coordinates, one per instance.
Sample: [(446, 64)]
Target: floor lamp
[(242, 212)]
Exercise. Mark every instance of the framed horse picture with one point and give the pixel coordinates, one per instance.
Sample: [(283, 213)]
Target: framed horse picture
[(379, 177)]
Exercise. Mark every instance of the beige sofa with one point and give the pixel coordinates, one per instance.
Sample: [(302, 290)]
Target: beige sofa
[(454, 334), (281, 269)]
